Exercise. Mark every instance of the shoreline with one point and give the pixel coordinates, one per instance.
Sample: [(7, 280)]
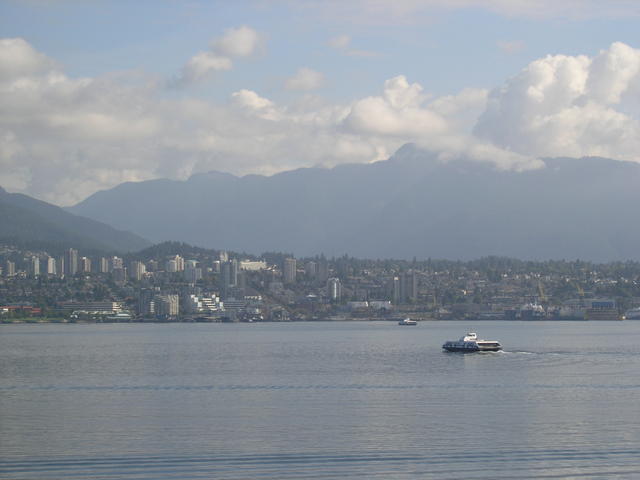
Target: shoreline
[(344, 320)]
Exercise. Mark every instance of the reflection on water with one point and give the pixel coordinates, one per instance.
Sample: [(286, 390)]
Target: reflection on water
[(328, 400)]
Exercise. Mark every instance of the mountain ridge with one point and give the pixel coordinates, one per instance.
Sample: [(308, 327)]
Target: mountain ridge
[(410, 205), (26, 219)]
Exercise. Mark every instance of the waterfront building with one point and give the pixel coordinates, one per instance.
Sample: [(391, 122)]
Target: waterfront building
[(203, 304), (167, 305), (289, 270), (235, 305), (146, 304), (106, 306), (380, 305)]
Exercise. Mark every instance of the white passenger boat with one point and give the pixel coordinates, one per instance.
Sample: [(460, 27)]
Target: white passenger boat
[(633, 314), (471, 343), (407, 321)]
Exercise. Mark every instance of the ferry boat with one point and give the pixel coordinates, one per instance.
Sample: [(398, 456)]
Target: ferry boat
[(408, 322), (471, 343)]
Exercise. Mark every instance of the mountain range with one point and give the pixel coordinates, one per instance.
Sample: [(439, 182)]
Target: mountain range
[(26, 220), (409, 205)]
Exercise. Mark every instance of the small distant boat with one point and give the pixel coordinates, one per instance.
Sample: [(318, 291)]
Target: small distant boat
[(408, 322), (633, 314), (471, 343)]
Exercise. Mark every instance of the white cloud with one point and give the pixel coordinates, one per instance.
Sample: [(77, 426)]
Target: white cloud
[(63, 138), (202, 64), (253, 103), (305, 79), (566, 105), (18, 58), (237, 42), (397, 112)]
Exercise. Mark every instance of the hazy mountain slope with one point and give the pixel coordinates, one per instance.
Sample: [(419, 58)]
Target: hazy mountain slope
[(410, 205), (23, 218)]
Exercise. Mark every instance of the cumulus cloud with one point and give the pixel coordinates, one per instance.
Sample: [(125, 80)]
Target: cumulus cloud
[(18, 58), (63, 138), (397, 112), (236, 42), (305, 79), (568, 105), (202, 64)]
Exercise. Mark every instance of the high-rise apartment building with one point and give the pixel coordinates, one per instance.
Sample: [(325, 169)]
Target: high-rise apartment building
[(71, 262), (103, 265), (289, 270), (34, 266), (323, 271), (51, 266), (311, 269), (405, 288), (179, 263), (171, 266), (334, 290), (146, 303), (137, 270), (115, 263), (192, 273), (10, 269), (60, 270), (167, 305), (85, 264)]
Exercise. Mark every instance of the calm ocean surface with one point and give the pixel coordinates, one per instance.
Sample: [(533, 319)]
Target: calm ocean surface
[(319, 400)]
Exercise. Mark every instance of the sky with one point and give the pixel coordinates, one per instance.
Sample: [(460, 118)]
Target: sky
[(96, 93)]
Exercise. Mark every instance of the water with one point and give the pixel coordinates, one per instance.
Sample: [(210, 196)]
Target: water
[(319, 400)]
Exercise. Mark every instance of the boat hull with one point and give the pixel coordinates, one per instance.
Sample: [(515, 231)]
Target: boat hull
[(472, 349)]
